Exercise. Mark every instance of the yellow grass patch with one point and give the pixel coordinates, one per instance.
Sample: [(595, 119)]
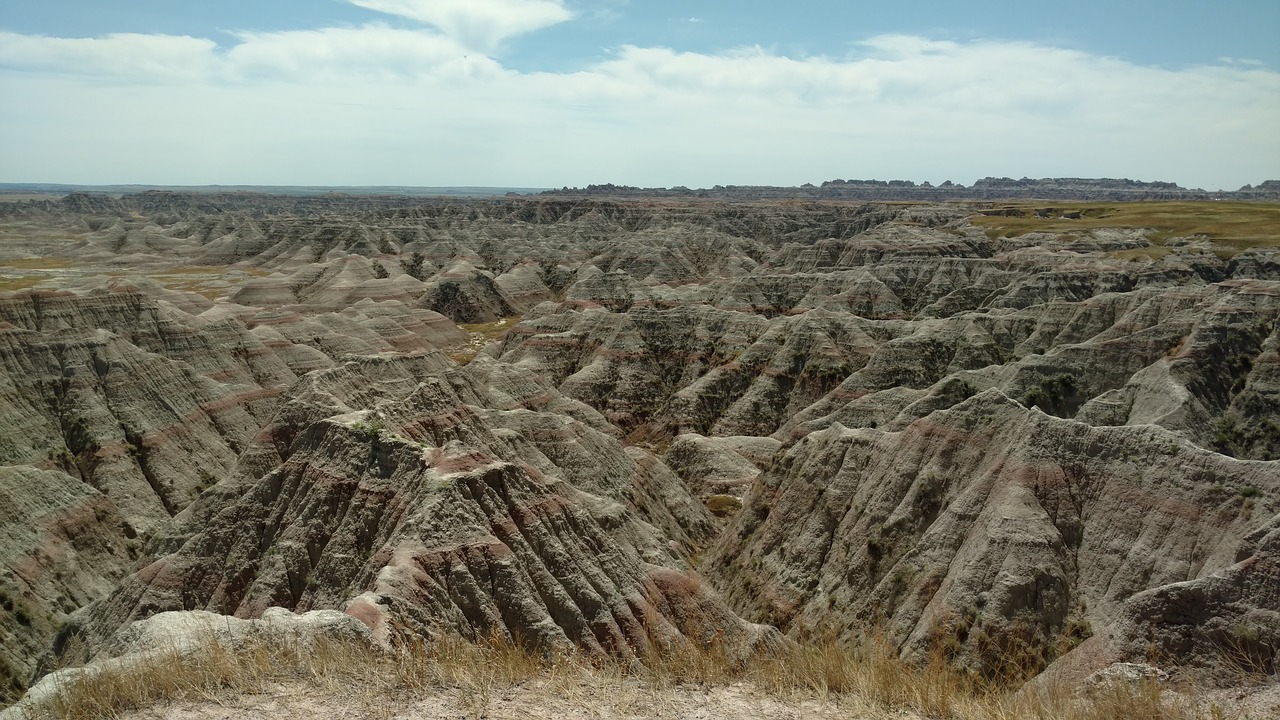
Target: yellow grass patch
[(491, 331), (1232, 225), (40, 263), (195, 278), (20, 196), (20, 283), (479, 335), (867, 681), (217, 270), (723, 505)]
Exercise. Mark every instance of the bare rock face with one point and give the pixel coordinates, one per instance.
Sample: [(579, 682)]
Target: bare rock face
[(426, 514), (720, 470), (788, 349), (131, 408), (1222, 370), (987, 523), (62, 545), (1217, 625)]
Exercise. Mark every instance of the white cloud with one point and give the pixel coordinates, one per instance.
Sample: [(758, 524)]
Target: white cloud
[(1240, 61), (478, 24), (124, 56), (379, 105), (307, 56), (372, 51)]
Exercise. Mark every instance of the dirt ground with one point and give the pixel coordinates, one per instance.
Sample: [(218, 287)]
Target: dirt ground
[(539, 700)]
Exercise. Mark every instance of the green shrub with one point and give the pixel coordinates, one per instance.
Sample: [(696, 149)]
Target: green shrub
[(1058, 395)]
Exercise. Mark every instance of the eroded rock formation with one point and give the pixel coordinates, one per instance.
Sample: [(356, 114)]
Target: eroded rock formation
[(664, 421)]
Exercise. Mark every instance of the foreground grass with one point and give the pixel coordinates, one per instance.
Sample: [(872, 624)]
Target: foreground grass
[(1233, 226), (869, 682)]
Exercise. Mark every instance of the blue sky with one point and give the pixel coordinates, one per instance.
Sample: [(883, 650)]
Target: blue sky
[(556, 92)]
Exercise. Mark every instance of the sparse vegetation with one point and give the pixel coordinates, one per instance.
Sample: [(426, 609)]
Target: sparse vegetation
[(866, 681), (370, 431), (36, 263), (616, 295), (415, 266), (198, 278), (1248, 653), (12, 284), (1151, 252), (723, 505), (1232, 226), (1257, 440), (554, 276), (1057, 395), (207, 480), (481, 334)]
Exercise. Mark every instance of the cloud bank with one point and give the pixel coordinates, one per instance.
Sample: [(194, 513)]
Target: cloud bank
[(432, 104), (479, 24)]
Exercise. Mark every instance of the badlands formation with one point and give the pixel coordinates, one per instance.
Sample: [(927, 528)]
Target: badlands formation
[(996, 431)]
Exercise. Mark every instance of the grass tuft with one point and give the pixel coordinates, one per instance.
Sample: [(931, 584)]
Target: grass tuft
[(867, 680)]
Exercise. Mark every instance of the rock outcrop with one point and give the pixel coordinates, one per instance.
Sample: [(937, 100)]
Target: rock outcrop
[(671, 420), (430, 513), (989, 526), (166, 635), (122, 410)]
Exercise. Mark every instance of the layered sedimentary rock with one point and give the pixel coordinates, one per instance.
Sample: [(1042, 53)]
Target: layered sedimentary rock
[(430, 512), (993, 525), (776, 367), (670, 420), (121, 409)]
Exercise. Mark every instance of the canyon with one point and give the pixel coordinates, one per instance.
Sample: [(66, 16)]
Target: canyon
[(1000, 428)]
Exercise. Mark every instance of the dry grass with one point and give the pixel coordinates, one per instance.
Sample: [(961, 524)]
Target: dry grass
[(196, 278), (21, 280), (479, 335), (40, 263), (491, 331), (186, 278), (22, 196), (869, 681), (214, 270), (9, 284), (1231, 225), (723, 505)]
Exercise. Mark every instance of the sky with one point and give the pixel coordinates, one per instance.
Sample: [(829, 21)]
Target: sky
[(548, 93)]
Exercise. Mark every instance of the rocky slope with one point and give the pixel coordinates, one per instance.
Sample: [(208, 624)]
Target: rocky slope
[(993, 527), (684, 420), (428, 512), (121, 409)]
